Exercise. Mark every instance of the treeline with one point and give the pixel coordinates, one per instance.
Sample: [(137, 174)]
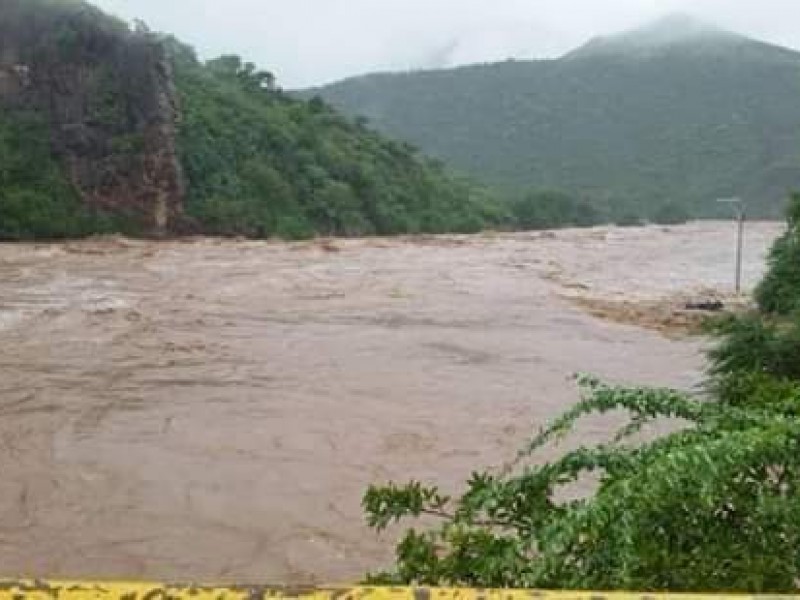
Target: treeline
[(547, 209), (714, 506)]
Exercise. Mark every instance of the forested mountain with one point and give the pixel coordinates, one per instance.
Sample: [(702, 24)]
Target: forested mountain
[(678, 111), (104, 127)]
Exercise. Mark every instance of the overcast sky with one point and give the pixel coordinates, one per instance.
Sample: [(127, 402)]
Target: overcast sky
[(309, 42)]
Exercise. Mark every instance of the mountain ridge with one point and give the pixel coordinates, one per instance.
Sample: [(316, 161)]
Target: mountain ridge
[(710, 113)]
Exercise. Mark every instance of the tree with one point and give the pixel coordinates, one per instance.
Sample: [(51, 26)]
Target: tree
[(141, 28), (779, 291), (225, 65)]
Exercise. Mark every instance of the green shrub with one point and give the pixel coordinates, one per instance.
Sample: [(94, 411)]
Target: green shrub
[(779, 291), (754, 344), (755, 389), (714, 507)]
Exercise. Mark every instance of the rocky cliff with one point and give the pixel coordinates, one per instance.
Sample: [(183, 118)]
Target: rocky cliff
[(108, 96)]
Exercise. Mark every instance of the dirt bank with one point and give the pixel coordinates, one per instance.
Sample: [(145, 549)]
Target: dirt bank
[(214, 409)]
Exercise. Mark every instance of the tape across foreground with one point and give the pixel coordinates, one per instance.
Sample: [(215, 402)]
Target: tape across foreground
[(88, 590)]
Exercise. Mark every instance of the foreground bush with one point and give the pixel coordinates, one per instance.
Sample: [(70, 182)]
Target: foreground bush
[(713, 507)]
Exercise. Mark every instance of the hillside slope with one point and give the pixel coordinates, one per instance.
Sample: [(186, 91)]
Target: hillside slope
[(675, 111), (105, 128), (261, 163)]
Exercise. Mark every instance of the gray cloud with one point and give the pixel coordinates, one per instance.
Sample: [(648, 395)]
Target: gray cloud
[(308, 42)]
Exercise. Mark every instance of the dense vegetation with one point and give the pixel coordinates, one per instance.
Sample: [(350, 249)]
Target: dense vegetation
[(552, 209), (36, 196), (777, 293), (630, 126), (261, 163), (714, 506), (36, 200)]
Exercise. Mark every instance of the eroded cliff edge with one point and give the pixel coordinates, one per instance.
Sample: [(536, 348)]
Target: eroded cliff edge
[(108, 96)]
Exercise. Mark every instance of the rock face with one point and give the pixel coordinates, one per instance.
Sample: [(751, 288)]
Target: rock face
[(109, 97)]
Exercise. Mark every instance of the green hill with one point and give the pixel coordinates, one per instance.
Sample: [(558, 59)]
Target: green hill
[(260, 162), (677, 112), (104, 127)]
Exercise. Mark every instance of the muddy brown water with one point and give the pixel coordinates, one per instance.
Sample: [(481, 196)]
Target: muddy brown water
[(213, 410)]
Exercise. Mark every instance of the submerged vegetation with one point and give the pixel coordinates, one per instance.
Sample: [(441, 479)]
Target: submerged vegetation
[(714, 506)]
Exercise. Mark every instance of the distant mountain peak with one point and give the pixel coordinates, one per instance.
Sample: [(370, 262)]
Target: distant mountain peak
[(670, 31)]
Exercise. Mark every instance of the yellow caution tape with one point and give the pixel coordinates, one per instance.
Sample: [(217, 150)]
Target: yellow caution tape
[(87, 590)]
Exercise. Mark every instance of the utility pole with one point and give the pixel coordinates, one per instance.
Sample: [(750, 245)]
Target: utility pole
[(740, 219)]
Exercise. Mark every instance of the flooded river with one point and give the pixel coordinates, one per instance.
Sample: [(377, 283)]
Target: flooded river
[(213, 410)]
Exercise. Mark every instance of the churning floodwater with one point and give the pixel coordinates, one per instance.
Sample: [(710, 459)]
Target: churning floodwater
[(214, 409)]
